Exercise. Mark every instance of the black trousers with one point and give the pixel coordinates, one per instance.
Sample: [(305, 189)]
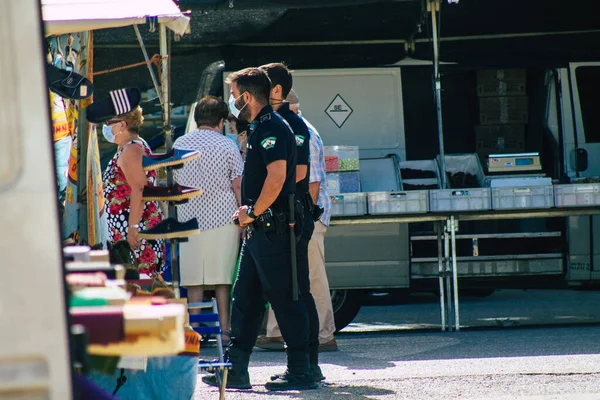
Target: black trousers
[(265, 276), (304, 286)]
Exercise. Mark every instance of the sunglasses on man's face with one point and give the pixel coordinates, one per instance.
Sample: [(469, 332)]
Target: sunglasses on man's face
[(112, 122)]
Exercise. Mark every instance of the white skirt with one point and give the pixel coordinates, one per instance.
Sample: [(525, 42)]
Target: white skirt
[(209, 257)]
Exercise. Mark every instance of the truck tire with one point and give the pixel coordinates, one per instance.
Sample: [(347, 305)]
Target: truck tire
[(346, 304)]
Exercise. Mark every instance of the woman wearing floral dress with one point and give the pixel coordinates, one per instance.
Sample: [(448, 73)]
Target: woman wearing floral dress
[(124, 181)]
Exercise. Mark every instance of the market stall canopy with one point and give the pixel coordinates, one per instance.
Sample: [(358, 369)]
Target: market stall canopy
[(67, 16)]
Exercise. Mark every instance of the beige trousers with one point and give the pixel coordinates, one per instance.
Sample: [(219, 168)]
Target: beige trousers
[(319, 287)]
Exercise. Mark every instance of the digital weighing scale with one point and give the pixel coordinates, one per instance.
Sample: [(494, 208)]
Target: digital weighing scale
[(517, 162)]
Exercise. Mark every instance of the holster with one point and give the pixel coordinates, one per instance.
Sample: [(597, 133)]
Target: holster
[(314, 209)]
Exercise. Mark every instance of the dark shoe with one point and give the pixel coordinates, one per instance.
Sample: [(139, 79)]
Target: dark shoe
[(329, 346), (170, 229), (68, 84), (173, 193), (292, 382), (315, 370), (270, 343), (233, 381), (174, 158), (317, 374)]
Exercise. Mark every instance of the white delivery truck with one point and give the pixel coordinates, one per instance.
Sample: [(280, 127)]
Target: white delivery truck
[(543, 128)]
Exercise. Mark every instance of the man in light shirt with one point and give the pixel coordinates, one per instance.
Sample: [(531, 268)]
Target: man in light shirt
[(209, 258), (319, 285)]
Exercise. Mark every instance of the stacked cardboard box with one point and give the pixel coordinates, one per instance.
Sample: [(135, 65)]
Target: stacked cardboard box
[(503, 112)]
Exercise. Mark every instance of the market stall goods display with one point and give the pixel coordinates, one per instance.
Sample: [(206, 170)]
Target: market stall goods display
[(68, 84), (170, 228), (172, 193), (173, 159), (411, 173), (462, 180), (332, 163)]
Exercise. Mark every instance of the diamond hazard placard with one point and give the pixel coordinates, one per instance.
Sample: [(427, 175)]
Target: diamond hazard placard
[(338, 110)]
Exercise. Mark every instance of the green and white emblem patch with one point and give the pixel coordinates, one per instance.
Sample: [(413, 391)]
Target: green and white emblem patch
[(268, 143), (299, 140)]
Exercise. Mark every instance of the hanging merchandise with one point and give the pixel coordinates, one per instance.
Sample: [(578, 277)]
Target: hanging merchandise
[(68, 84)]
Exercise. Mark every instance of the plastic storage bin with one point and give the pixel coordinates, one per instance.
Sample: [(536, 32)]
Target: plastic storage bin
[(411, 202), (419, 173), (467, 164), (348, 204), (333, 183), (347, 158), (577, 195), (507, 198), (349, 181), (460, 199), (469, 193)]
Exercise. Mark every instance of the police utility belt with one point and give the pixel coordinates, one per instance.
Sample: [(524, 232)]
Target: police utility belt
[(269, 221), (275, 220)]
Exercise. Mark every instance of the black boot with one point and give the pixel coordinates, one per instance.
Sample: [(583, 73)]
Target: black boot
[(298, 375), (315, 370), (238, 377)]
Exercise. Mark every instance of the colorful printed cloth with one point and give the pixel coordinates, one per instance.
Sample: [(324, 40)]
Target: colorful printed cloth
[(150, 256)]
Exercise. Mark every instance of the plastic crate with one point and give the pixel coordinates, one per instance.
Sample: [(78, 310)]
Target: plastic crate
[(419, 173), (467, 163), (412, 202), (333, 183), (460, 199), (348, 182), (347, 158), (577, 195), (348, 204), (507, 198)]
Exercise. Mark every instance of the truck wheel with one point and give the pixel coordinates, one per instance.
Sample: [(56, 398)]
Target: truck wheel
[(346, 304)]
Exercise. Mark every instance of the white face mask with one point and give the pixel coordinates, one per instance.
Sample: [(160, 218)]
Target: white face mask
[(232, 108), (108, 133)]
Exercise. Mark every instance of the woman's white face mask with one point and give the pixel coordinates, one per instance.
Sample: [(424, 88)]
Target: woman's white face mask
[(108, 133)]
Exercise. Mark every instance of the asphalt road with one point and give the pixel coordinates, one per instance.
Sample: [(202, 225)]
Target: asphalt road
[(550, 350)]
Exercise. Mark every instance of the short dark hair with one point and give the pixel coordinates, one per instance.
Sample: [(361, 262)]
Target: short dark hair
[(210, 110), (279, 75), (254, 81)]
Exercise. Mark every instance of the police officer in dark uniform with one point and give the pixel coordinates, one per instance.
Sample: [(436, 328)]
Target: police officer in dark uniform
[(281, 84), (265, 272)]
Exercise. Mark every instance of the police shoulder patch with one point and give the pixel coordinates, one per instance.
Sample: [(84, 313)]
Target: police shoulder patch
[(300, 140), (268, 143)]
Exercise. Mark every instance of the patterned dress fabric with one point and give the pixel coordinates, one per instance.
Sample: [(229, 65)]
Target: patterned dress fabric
[(219, 163), (150, 256)]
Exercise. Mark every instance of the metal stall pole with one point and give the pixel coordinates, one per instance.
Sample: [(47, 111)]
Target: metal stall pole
[(454, 273), (166, 103), (447, 274), (433, 6), (145, 53), (83, 131), (439, 228)]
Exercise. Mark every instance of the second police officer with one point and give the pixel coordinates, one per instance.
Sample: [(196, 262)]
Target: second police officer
[(265, 273), (281, 84)]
